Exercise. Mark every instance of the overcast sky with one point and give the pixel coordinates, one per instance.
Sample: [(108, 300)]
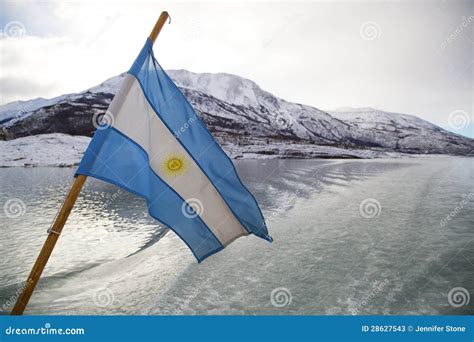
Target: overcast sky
[(402, 56)]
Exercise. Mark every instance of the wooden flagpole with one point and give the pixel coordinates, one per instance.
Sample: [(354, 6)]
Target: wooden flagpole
[(62, 216)]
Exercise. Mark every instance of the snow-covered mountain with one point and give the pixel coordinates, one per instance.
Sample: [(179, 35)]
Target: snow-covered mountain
[(248, 120), (402, 132)]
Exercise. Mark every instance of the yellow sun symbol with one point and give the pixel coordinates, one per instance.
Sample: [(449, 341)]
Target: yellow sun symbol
[(174, 165)]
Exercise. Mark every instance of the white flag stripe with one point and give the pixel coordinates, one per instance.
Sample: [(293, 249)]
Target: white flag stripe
[(135, 118)]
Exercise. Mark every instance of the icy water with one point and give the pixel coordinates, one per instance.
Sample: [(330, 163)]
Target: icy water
[(351, 237)]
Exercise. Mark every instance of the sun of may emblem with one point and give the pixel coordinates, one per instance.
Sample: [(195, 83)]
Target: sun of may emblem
[(174, 165)]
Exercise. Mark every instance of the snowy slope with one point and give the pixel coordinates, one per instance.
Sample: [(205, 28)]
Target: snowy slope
[(238, 112), (403, 132), (225, 87), (58, 149), (21, 109), (43, 150), (258, 112)]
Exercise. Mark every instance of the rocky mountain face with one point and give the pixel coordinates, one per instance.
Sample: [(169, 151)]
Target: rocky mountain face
[(402, 132), (240, 114)]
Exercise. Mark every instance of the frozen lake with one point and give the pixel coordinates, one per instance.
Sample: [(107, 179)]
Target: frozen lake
[(351, 237)]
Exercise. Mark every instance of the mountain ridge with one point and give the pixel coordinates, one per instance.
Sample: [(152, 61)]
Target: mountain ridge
[(241, 114)]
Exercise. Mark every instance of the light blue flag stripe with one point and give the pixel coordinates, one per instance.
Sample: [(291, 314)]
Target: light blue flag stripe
[(116, 159), (176, 113)]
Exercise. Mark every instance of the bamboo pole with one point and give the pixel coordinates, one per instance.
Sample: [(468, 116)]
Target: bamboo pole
[(48, 246), (62, 217), (158, 26)]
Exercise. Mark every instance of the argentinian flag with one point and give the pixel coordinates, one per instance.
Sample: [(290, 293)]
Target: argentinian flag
[(155, 146)]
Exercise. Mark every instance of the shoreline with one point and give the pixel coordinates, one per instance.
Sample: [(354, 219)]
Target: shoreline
[(63, 150)]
